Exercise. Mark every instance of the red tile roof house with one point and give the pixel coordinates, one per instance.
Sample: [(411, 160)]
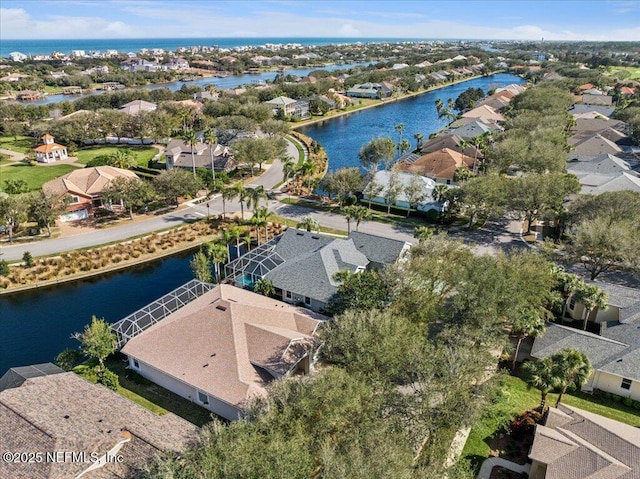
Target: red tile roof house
[(50, 151), (56, 413), (224, 347), (84, 187)]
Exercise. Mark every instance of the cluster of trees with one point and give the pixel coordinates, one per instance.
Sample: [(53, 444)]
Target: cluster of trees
[(39, 208), (405, 362)]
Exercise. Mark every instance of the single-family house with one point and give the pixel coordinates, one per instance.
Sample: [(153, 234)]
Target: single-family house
[(136, 106), (302, 265), (369, 90), (603, 100), (475, 128), (577, 444), (17, 56), (223, 348), (74, 428), (178, 155), (601, 173), (50, 151), (84, 188), (605, 111), (453, 142), (592, 146), (614, 352), (440, 165), (484, 112), (383, 179), (290, 107), (136, 64)]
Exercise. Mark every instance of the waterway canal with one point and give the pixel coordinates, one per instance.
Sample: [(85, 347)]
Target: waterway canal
[(36, 325)]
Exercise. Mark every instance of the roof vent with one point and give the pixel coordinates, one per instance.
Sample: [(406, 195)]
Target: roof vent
[(619, 360), (299, 233), (213, 355), (316, 237), (206, 365), (66, 416), (221, 308)]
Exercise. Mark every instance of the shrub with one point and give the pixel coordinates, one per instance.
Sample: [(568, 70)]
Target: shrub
[(27, 259), (109, 379), (68, 358), (607, 394), (636, 405), (4, 268), (616, 398), (627, 402)]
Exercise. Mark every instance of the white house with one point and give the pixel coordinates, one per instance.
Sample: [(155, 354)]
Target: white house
[(383, 178)]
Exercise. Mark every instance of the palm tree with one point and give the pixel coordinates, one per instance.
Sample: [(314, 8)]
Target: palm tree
[(347, 212), (263, 215), (228, 194), (573, 367), (400, 130), (422, 233), (309, 223), (439, 105), (236, 232), (218, 253), (571, 284), (592, 298), (439, 193), (357, 213), (254, 195), (191, 139), (418, 137), (404, 146), (241, 194), (528, 322), (264, 287), (543, 376), (307, 169), (211, 139), (122, 158)]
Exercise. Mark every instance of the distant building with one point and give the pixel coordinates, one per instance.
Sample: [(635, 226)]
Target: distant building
[(369, 90), (17, 56), (136, 106)]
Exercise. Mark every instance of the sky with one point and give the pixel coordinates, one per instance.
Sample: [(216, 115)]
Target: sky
[(469, 19)]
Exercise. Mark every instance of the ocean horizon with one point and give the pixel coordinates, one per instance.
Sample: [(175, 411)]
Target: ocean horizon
[(125, 45)]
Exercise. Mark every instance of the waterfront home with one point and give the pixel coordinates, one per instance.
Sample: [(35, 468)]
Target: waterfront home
[(178, 155), (136, 64), (473, 129), (288, 107), (223, 348), (383, 178), (14, 77), (51, 414), (136, 106), (614, 352), (17, 56), (576, 444), (483, 112), (452, 142), (440, 165), (50, 151), (302, 264), (83, 189), (369, 90)]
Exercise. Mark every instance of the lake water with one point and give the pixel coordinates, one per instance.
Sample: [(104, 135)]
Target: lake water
[(36, 325), (343, 137), (222, 83)]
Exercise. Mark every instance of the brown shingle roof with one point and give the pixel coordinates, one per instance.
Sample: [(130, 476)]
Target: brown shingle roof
[(63, 412), (438, 164), (214, 342)]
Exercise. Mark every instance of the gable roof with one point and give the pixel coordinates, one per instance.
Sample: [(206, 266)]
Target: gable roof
[(606, 111), (378, 249), (439, 164), (604, 100), (383, 177), (594, 145), (136, 106), (217, 342), (86, 182), (281, 101), (578, 444), (472, 129), (63, 412), (485, 112), (452, 142)]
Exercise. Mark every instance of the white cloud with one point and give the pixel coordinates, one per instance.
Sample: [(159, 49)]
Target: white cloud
[(348, 30)]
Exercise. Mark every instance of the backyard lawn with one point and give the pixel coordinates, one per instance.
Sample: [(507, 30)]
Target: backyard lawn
[(142, 153), (514, 398), (146, 394), (21, 144), (35, 176)]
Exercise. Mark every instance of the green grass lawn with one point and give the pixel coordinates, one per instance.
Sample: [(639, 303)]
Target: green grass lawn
[(5, 159), (142, 153), (633, 72), (146, 394), (35, 176), (514, 398), (21, 144)]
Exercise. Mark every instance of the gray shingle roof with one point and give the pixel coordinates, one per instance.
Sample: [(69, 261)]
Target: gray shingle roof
[(603, 110), (378, 249), (14, 377), (592, 146)]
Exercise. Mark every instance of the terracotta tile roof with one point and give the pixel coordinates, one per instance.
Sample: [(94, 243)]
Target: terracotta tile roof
[(47, 136), (86, 181), (214, 342), (48, 148), (63, 412), (438, 164), (484, 112)]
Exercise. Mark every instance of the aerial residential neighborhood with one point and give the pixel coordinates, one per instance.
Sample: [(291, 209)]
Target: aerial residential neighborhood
[(403, 244)]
